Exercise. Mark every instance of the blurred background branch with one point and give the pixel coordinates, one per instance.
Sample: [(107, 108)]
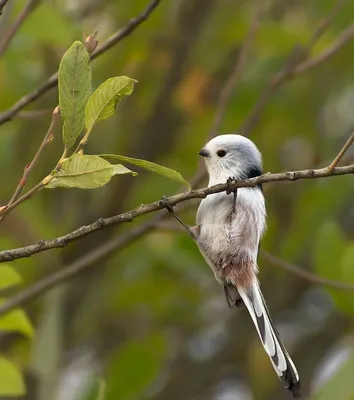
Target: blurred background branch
[(10, 34)]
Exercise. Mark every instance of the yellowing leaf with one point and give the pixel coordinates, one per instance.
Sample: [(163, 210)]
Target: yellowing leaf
[(11, 382), (148, 165), (8, 277), (86, 172), (104, 99), (16, 321), (74, 81)]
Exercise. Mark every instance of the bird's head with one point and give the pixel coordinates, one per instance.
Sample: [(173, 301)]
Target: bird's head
[(231, 156)]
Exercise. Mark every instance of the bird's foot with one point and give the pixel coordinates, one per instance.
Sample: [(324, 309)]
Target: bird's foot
[(229, 182)]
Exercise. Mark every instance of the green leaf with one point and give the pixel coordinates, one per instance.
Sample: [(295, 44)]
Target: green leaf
[(134, 367), (341, 386), (105, 98), (11, 382), (148, 165), (8, 277), (74, 90), (16, 321), (86, 172)]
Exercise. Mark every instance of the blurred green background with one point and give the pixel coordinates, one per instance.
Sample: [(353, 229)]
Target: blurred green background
[(150, 321)]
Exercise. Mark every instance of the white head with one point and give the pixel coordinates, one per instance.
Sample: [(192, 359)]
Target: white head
[(231, 156)]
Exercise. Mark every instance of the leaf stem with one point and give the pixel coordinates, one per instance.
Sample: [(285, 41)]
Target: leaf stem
[(16, 199)]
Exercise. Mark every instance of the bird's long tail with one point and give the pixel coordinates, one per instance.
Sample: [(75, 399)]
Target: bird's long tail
[(282, 363)]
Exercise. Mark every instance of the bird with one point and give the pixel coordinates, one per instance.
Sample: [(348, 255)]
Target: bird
[(228, 232)]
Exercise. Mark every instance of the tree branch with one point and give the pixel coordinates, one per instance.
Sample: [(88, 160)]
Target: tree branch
[(335, 162), (24, 14), (47, 139), (307, 275), (295, 64), (53, 80), (330, 51), (62, 241)]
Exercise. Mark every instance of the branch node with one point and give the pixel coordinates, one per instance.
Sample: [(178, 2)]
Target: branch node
[(101, 222)]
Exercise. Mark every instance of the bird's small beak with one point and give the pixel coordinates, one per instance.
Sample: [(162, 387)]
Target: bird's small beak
[(204, 153)]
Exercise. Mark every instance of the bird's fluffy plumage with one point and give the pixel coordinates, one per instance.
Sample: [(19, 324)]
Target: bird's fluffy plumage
[(229, 240)]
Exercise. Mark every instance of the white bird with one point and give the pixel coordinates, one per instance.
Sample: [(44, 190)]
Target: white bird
[(228, 231)]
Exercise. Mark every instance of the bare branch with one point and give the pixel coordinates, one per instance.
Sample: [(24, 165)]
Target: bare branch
[(62, 241), (53, 80), (24, 14), (47, 139), (117, 243), (16, 200), (307, 275), (335, 162), (297, 59), (330, 51)]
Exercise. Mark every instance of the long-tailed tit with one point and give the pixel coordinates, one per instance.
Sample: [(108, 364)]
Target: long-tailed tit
[(228, 231)]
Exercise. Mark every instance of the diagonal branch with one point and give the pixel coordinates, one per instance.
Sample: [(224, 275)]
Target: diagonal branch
[(309, 276), (295, 64), (340, 155), (11, 255), (47, 139), (346, 35), (53, 80), (97, 255), (23, 15)]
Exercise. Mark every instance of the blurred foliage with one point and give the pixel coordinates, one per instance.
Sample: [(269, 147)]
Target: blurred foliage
[(150, 322)]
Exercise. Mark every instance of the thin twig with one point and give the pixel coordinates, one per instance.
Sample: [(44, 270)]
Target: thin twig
[(346, 35), (335, 162), (53, 80), (297, 57), (2, 5), (24, 14), (28, 169), (5, 210), (309, 276), (62, 241)]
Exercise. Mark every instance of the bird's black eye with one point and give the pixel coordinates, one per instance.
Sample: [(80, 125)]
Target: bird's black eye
[(221, 153)]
